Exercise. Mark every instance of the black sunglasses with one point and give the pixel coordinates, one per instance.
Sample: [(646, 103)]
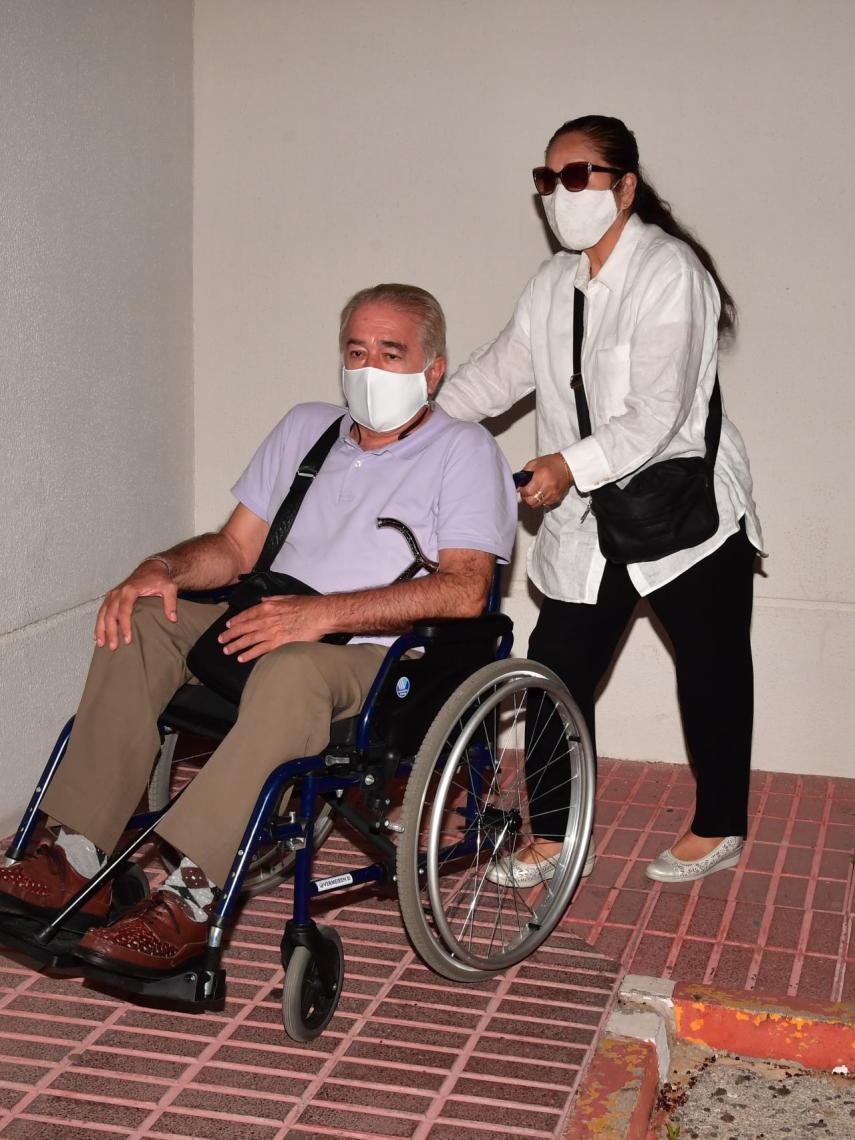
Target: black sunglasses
[(574, 176)]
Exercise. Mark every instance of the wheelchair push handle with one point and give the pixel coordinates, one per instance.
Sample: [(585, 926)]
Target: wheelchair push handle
[(522, 477), (420, 559)]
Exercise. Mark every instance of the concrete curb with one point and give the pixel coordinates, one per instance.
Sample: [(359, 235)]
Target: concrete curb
[(817, 1035), (617, 1097)]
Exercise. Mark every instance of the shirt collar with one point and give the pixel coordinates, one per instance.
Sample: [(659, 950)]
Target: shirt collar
[(614, 270), (413, 443), (583, 273)]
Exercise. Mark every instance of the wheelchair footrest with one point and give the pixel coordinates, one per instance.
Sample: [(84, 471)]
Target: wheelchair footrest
[(19, 933), (193, 987)]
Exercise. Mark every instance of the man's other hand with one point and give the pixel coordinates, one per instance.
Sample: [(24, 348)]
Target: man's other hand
[(276, 621), (150, 579)]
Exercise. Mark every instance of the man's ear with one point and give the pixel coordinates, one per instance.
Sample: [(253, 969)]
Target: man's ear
[(434, 375)]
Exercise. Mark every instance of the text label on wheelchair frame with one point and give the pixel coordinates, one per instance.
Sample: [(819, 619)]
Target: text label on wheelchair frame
[(335, 881)]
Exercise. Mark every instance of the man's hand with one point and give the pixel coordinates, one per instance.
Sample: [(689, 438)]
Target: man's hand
[(201, 563), (458, 589), (275, 621), (150, 579), (551, 481)]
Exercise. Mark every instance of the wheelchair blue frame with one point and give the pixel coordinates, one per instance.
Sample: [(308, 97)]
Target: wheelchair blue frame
[(201, 983)]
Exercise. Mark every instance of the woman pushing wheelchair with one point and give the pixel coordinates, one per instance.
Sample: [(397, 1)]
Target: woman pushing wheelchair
[(643, 481)]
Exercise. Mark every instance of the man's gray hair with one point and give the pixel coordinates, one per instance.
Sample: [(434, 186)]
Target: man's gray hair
[(411, 299)]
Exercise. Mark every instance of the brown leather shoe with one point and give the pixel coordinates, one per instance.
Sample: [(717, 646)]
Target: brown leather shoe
[(154, 937), (42, 884)]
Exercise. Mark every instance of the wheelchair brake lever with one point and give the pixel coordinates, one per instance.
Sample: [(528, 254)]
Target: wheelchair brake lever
[(420, 559)]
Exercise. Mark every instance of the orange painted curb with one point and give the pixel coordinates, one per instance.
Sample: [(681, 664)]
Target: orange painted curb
[(617, 1095), (818, 1035)]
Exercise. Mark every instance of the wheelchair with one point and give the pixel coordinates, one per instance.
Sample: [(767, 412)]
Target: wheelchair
[(450, 715)]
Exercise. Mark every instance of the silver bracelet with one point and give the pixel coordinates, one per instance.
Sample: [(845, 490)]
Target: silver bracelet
[(170, 569)]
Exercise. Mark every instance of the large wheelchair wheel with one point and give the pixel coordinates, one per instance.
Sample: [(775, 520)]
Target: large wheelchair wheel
[(271, 864), (160, 780), (466, 806)]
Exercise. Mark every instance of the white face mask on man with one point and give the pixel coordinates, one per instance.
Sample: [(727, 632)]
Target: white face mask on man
[(580, 218), (383, 401)]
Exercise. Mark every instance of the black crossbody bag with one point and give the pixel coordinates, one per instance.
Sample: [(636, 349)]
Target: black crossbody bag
[(669, 506), (223, 672)]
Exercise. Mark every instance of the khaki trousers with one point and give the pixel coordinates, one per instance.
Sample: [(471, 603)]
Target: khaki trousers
[(292, 695)]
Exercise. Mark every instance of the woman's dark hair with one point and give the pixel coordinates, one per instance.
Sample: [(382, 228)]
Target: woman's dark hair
[(616, 143)]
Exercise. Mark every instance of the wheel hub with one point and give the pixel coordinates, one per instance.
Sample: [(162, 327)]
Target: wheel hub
[(495, 820)]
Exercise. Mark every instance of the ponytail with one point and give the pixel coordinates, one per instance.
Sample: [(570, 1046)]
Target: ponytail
[(656, 211)]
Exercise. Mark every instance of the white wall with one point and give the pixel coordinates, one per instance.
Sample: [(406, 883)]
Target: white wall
[(350, 141), (96, 394)]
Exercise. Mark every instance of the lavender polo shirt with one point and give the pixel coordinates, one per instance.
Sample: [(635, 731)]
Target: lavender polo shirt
[(448, 481)]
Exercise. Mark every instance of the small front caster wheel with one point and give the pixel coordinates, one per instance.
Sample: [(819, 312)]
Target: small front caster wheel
[(308, 1004)]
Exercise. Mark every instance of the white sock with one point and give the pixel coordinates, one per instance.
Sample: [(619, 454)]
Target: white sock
[(81, 853), (193, 898)]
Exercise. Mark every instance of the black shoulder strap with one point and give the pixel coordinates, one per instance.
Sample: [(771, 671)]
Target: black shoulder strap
[(576, 379), (712, 431), (287, 512)]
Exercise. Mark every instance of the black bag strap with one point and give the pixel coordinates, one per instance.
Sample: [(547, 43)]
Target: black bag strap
[(712, 431), (290, 505), (576, 379)]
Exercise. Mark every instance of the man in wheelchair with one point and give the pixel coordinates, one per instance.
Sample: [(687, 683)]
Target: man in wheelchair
[(394, 455)]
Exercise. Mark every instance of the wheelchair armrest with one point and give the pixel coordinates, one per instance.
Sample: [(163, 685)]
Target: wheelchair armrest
[(454, 648), (444, 630)]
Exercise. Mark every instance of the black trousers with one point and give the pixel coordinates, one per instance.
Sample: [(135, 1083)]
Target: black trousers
[(706, 613)]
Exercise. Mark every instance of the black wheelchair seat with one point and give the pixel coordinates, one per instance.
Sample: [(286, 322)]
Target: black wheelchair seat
[(409, 693), (197, 709)]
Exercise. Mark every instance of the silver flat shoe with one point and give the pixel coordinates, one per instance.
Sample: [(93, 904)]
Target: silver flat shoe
[(512, 872), (667, 868)]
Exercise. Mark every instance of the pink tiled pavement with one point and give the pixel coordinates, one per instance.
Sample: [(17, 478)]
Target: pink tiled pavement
[(780, 922), (411, 1055), (408, 1054)]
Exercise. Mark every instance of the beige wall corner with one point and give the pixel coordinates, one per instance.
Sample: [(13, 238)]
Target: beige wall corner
[(41, 668), (96, 347)]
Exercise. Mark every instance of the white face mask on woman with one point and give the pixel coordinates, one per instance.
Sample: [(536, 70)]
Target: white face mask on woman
[(581, 217), (383, 401)]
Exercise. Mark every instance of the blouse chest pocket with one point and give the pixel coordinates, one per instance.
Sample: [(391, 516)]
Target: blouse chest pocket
[(609, 382)]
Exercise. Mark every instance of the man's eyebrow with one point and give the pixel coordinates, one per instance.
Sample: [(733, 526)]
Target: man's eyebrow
[(397, 344)]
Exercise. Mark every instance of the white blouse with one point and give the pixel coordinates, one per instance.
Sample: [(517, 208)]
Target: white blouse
[(648, 362)]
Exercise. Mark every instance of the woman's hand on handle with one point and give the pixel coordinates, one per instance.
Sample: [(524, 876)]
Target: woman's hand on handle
[(550, 480)]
